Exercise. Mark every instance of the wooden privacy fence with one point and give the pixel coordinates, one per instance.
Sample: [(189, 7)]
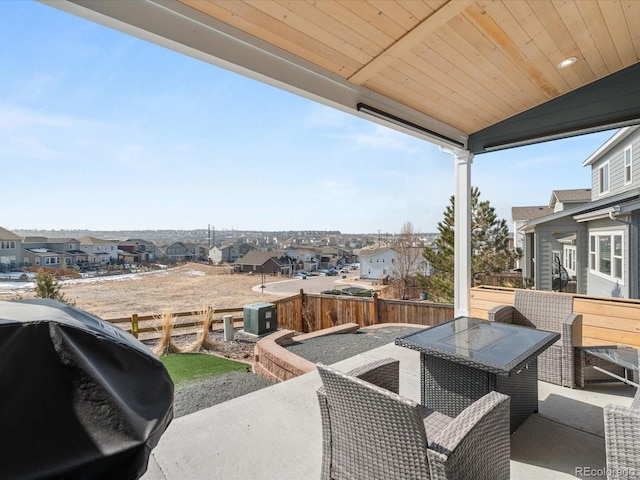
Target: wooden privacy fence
[(605, 320), (311, 312), (303, 313)]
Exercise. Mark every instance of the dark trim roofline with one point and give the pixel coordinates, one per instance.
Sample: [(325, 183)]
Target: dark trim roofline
[(595, 205), (611, 102)]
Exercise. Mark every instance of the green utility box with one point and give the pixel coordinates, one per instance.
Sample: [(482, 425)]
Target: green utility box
[(260, 318)]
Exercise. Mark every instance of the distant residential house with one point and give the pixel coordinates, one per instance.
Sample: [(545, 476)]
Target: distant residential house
[(53, 252), (307, 259), (137, 251), (267, 262), (380, 263), (229, 253), (99, 252), (42, 256), (10, 250), (565, 199), (181, 252), (597, 242)]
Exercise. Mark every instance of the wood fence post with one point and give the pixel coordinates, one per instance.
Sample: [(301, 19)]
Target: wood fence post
[(301, 312), (376, 319), (134, 324)]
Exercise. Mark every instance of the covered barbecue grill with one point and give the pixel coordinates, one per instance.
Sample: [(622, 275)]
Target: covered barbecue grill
[(79, 398)]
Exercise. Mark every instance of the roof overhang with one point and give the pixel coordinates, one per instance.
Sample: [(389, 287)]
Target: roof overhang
[(466, 74), (591, 211)]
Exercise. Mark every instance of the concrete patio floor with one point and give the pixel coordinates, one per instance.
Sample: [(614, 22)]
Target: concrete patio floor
[(275, 433)]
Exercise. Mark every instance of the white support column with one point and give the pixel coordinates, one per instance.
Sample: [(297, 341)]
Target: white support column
[(462, 242)]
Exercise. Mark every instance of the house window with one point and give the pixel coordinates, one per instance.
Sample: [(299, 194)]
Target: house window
[(570, 257), (627, 165), (606, 255), (604, 178)]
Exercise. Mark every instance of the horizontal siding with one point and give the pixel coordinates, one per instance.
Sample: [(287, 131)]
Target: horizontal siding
[(605, 321)]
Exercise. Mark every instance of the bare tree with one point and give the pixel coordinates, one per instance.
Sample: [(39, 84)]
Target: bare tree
[(408, 261)]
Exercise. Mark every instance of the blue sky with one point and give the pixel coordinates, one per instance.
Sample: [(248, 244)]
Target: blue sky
[(102, 131)]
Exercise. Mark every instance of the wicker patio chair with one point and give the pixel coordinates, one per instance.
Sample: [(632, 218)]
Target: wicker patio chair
[(371, 432), (622, 439), (552, 312)]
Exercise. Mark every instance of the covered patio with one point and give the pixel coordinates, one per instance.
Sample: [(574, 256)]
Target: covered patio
[(472, 76), (276, 433)]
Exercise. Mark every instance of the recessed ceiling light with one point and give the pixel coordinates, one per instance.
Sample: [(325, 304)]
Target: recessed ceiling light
[(567, 62)]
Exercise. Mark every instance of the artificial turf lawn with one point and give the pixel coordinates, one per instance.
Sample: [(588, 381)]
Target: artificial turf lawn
[(187, 368)]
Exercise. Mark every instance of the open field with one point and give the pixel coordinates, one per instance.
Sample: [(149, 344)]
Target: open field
[(188, 287)]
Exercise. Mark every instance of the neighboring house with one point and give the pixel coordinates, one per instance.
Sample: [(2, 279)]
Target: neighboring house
[(218, 255), (565, 199), (307, 259), (181, 252), (99, 251), (41, 256), (142, 251), (378, 263), (267, 262), (229, 253), (10, 250), (597, 241), (52, 252)]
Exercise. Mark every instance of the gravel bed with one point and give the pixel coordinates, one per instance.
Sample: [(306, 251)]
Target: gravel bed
[(216, 390), (328, 349), (335, 348)]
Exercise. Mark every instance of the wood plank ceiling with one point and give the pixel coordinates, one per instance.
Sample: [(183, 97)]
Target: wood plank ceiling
[(470, 64)]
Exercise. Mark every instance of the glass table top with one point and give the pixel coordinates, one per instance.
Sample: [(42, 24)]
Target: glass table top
[(481, 343), (626, 357)]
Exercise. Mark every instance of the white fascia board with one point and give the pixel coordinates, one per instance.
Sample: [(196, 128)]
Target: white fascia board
[(618, 137)]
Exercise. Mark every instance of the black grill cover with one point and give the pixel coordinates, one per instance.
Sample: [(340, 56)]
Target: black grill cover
[(79, 398)]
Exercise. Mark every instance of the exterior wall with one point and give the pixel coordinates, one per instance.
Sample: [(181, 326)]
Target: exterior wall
[(377, 266), (216, 255), (582, 260), (545, 246), (616, 169), (634, 256), (606, 287), (10, 253), (543, 258), (102, 252), (269, 267)]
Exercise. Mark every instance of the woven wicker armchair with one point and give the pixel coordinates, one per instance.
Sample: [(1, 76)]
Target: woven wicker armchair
[(622, 439), (552, 312), (371, 432)]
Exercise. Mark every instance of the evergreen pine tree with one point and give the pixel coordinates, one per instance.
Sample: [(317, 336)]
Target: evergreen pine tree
[(490, 252), (47, 286)]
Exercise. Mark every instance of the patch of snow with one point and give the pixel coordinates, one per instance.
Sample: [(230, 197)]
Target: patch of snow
[(16, 287), (194, 273)]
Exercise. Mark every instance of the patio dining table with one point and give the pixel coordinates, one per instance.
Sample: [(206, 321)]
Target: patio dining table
[(463, 359)]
